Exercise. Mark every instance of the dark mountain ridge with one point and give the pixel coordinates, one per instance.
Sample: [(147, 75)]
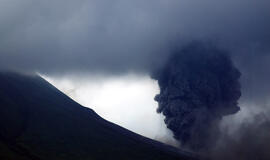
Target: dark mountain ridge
[(38, 122)]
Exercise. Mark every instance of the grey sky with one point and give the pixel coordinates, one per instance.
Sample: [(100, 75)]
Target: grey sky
[(123, 35)]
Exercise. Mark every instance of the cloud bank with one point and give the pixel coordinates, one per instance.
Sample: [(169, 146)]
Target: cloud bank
[(123, 35)]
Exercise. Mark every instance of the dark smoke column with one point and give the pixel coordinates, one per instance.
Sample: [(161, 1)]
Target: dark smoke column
[(198, 86)]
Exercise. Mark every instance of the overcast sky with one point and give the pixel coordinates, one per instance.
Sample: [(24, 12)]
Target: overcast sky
[(123, 35)]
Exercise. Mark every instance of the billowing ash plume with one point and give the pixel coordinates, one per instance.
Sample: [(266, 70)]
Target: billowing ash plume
[(198, 86)]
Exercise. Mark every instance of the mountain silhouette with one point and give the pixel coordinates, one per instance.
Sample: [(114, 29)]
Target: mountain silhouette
[(39, 122)]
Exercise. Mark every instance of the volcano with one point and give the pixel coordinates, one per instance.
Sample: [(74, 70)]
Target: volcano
[(38, 122)]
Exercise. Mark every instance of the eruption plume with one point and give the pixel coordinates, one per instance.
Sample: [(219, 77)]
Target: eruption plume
[(198, 86)]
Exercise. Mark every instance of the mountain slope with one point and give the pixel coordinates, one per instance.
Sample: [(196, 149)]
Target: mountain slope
[(39, 122)]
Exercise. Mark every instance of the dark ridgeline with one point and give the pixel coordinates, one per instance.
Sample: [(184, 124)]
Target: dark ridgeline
[(198, 86), (38, 122)]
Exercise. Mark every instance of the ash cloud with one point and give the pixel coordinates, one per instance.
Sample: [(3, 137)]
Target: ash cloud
[(199, 94), (198, 86), (248, 142)]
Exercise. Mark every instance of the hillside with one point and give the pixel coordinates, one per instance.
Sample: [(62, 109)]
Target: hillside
[(38, 122)]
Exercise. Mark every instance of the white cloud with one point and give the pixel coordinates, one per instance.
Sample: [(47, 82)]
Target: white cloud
[(126, 100)]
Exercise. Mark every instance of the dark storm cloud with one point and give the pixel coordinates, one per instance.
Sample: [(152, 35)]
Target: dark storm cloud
[(121, 35)]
